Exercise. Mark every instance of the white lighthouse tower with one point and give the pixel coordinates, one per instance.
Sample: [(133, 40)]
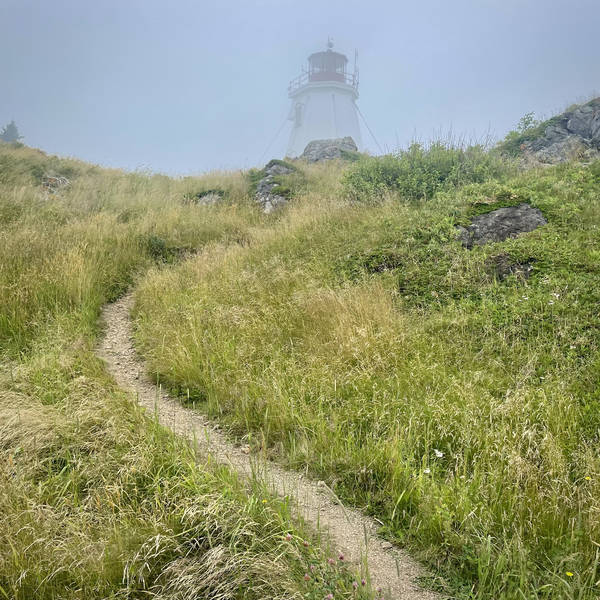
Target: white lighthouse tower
[(323, 101)]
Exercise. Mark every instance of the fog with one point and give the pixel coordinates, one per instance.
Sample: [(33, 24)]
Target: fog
[(189, 86)]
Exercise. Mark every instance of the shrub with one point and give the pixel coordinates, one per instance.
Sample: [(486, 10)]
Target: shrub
[(419, 172), (528, 129)]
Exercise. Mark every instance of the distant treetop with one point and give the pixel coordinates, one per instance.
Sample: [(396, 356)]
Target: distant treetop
[(10, 133)]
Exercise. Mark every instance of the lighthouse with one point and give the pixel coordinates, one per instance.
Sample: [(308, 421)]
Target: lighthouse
[(323, 101)]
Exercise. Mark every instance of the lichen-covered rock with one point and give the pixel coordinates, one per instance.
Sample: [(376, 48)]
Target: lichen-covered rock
[(328, 149), (575, 134), (270, 194), (501, 224)]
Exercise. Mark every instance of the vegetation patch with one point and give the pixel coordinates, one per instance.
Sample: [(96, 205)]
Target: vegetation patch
[(419, 172)]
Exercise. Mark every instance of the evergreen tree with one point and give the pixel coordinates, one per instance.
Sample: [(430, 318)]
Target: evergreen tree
[(10, 133)]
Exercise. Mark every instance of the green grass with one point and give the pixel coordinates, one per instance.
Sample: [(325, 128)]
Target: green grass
[(97, 500), (362, 342)]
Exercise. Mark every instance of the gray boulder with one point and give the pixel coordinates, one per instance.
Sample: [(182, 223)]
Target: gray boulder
[(501, 224), (575, 134), (328, 149)]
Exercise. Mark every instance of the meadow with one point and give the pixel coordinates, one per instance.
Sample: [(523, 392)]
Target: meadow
[(353, 336), (96, 499), (451, 393)]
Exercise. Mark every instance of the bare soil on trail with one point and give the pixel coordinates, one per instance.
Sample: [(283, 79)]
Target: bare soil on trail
[(348, 530)]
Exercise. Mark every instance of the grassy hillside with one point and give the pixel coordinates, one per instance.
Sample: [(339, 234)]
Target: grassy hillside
[(96, 500), (357, 338)]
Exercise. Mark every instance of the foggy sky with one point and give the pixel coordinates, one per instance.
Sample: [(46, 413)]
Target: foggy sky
[(187, 86)]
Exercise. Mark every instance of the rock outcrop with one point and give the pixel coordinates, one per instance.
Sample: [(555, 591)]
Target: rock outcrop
[(575, 134), (270, 194), (328, 149), (501, 224)]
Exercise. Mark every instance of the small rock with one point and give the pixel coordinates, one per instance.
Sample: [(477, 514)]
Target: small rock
[(52, 184), (205, 198), (386, 545), (502, 266)]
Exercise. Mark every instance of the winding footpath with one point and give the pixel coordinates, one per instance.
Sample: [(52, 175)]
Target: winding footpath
[(348, 530)]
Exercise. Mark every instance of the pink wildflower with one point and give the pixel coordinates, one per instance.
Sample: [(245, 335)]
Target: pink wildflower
[(288, 537), (306, 577), (341, 557)]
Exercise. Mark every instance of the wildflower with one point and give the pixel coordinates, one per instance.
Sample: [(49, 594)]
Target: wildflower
[(312, 568), (264, 501), (354, 585), (331, 561), (305, 544), (556, 295), (379, 590), (550, 301), (587, 478), (426, 471), (525, 297), (288, 537), (363, 582), (329, 597), (569, 574), (341, 557), (306, 577), (438, 453)]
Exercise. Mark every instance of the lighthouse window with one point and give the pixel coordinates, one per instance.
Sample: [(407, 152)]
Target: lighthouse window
[(298, 115)]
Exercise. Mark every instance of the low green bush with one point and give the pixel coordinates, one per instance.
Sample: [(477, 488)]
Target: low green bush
[(421, 171)]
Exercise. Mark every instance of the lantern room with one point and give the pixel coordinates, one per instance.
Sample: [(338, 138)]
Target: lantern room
[(326, 67)]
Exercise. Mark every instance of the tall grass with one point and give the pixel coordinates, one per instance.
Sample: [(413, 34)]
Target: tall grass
[(365, 344), (84, 247), (96, 500)]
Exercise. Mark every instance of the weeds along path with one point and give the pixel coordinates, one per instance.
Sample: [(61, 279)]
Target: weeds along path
[(348, 530)]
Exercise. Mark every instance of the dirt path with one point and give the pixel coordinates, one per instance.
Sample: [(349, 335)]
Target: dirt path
[(390, 568)]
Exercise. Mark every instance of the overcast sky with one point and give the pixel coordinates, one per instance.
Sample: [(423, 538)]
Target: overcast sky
[(184, 86)]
